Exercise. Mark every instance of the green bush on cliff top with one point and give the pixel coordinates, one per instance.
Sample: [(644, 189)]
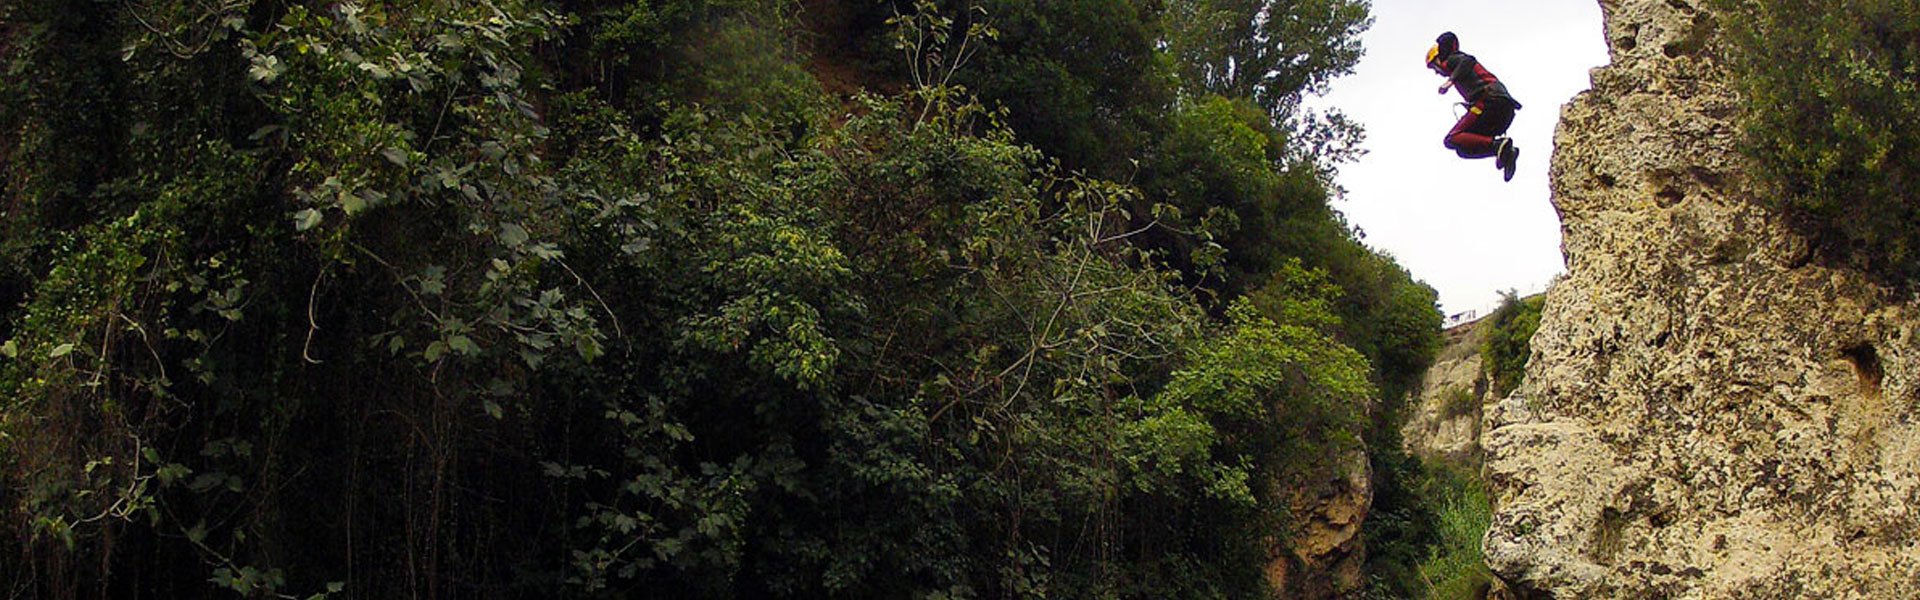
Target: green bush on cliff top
[(1830, 91), (1503, 354)]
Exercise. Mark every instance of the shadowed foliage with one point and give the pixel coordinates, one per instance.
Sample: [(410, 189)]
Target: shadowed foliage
[(601, 298)]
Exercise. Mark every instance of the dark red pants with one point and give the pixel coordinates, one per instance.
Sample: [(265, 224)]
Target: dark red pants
[(1473, 136)]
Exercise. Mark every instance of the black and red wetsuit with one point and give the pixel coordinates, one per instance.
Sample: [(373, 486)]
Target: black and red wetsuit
[(1489, 111)]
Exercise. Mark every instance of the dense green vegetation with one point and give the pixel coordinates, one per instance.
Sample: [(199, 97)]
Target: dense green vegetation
[(684, 298), (1822, 81), (1507, 345), (1457, 568)]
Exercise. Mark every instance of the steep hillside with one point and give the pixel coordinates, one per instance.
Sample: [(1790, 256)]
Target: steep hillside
[(1708, 412)]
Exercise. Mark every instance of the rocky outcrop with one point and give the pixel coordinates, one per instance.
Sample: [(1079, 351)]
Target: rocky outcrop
[(1707, 412), (1324, 556), (1443, 421)]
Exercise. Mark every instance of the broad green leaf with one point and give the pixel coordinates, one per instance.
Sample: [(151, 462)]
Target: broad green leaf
[(513, 234), (172, 473), (463, 344), (433, 280), (265, 68), (352, 203), (60, 350), (306, 219), (395, 156)]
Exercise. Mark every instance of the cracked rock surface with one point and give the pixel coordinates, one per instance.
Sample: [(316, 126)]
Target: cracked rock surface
[(1708, 413)]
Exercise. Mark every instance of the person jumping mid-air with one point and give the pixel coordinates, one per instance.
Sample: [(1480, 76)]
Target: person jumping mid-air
[(1482, 131)]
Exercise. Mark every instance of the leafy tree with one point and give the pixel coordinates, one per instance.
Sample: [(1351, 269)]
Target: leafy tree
[(1270, 52), (1216, 170), (594, 298), (1821, 81), (1392, 320), (1079, 78), (315, 206), (1388, 316)]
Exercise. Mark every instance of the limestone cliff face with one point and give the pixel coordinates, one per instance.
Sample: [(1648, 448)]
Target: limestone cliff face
[(1444, 421), (1707, 414), (1323, 557)]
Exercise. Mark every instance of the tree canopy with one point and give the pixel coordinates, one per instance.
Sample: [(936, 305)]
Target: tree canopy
[(676, 298)]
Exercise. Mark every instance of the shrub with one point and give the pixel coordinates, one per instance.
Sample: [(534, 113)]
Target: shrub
[(1460, 402), (1503, 353), (1457, 569), (1830, 88)]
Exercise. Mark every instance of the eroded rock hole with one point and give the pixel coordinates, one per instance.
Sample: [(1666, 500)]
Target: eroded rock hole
[(1866, 367), (1660, 519), (1702, 30), (1610, 538), (1669, 197)]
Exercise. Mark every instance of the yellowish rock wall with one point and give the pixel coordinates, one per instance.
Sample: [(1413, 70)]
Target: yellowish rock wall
[(1707, 413)]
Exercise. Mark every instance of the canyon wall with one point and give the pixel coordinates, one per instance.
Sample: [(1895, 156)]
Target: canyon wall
[(1443, 420), (1708, 412)]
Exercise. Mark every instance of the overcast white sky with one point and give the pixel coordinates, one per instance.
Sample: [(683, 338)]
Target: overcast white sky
[(1453, 222)]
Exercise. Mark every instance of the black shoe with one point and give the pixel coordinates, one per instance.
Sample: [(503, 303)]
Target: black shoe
[(1509, 157)]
